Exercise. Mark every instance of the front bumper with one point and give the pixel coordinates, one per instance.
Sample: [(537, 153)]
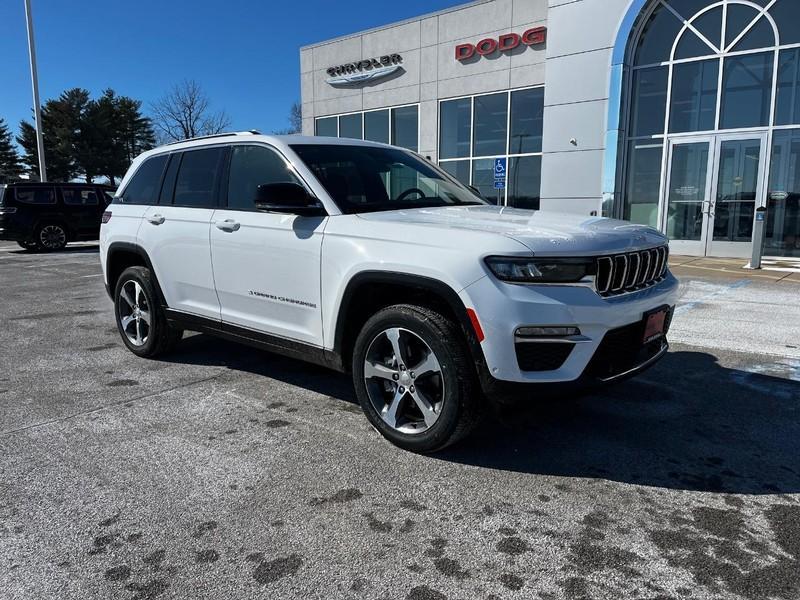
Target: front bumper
[(503, 308)]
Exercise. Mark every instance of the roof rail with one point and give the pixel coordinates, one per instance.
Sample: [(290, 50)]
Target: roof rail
[(216, 135)]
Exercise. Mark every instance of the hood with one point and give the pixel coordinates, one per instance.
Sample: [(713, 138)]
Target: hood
[(545, 233)]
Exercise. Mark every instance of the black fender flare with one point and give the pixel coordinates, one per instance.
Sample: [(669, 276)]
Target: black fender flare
[(419, 282), (128, 247)]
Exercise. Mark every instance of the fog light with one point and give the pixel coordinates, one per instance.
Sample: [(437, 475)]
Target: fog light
[(548, 331)]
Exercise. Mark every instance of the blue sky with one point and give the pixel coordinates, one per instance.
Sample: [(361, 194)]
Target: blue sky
[(244, 54)]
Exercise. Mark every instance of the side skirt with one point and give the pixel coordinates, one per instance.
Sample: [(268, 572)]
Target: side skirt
[(256, 339)]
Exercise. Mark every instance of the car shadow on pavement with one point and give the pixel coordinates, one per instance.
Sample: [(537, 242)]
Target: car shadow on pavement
[(199, 349), (87, 249), (687, 424)]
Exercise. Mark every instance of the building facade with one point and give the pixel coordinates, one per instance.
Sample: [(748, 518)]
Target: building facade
[(681, 114)]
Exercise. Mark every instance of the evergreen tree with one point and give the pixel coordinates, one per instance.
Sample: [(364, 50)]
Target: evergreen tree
[(10, 166), (88, 138)]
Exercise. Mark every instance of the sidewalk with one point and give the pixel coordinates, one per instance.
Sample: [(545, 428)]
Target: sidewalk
[(727, 268)]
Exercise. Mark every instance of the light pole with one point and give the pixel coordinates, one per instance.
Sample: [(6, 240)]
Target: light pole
[(37, 109)]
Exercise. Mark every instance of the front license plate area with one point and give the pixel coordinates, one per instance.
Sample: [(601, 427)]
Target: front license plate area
[(655, 324)]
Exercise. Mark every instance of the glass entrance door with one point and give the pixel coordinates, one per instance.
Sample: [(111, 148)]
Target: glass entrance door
[(739, 187), (714, 185), (688, 195)]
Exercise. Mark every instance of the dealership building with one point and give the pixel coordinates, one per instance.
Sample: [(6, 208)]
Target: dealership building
[(680, 114)]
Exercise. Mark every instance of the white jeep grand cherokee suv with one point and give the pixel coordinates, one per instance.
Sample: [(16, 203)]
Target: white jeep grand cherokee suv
[(368, 259)]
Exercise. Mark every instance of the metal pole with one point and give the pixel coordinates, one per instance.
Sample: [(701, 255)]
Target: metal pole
[(758, 237), (37, 109)]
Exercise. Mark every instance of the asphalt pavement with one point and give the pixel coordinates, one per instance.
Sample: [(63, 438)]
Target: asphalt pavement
[(224, 472)]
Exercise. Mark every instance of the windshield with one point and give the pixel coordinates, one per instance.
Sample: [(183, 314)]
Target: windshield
[(370, 178)]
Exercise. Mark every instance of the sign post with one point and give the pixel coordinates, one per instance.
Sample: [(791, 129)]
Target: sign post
[(758, 237), (500, 165)]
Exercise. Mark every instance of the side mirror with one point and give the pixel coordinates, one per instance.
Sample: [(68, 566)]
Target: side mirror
[(290, 198)]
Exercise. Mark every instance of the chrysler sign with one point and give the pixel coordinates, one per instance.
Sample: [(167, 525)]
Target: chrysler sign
[(505, 43), (364, 70)]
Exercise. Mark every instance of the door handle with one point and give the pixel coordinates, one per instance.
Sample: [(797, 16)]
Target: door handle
[(156, 219), (228, 225)]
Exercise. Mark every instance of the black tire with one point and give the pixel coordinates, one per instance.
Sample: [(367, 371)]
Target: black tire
[(30, 246), (158, 337), (51, 237), (461, 403)]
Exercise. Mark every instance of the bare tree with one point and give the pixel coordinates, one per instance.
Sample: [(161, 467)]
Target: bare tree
[(295, 121), (185, 113)]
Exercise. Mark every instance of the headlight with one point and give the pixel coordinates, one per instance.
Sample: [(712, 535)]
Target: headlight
[(540, 270)]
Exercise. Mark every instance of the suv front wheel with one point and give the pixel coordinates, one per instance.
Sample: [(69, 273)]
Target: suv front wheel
[(140, 319), (414, 378)]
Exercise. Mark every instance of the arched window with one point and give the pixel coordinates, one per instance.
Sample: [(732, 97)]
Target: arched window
[(706, 67)]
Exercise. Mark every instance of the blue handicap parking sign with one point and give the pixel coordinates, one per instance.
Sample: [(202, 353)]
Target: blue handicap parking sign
[(499, 168)]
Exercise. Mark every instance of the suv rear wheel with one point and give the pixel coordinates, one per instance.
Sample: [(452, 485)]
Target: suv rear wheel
[(140, 319), (414, 378), (51, 237)]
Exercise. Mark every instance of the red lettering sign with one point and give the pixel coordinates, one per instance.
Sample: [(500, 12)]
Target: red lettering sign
[(505, 43)]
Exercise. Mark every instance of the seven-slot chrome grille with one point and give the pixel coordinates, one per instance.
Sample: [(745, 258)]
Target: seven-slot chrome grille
[(623, 273)]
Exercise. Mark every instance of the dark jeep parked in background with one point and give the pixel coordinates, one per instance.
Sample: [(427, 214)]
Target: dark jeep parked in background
[(47, 216)]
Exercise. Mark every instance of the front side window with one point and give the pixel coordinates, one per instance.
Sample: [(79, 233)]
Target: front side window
[(143, 188), (197, 178), (252, 166), (79, 197), (36, 195), (363, 179)]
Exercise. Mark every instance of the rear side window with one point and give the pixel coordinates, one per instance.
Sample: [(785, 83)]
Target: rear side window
[(252, 166), (143, 188), (196, 185), (35, 195), (79, 197)]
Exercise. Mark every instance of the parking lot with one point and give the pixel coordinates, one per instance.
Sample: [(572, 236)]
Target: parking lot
[(226, 472)]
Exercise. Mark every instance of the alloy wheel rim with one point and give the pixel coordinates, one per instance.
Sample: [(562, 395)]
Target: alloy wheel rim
[(52, 236), (404, 381), (134, 313)]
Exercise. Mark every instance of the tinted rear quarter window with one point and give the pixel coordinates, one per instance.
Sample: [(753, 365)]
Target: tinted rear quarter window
[(143, 188), (35, 195), (198, 175), (79, 197)]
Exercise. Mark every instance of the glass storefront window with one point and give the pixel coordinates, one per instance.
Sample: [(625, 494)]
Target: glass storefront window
[(454, 128), (693, 105), (405, 127), (328, 127), (398, 126), (483, 180), (524, 181), (496, 133), (376, 126), (644, 182), (527, 111), (786, 14), (783, 199), (649, 101), (659, 34), (458, 169), (747, 90), (350, 126), (735, 83), (787, 111), (490, 125)]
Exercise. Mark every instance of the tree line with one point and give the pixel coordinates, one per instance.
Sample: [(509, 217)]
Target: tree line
[(91, 138), (84, 137)]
